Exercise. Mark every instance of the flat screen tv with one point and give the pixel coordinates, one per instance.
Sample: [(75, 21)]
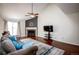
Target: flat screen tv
[(48, 28)]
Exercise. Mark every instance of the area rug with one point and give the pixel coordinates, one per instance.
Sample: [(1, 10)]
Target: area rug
[(44, 49)]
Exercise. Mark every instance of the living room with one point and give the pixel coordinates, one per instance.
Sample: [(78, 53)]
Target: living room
[(28, 20)]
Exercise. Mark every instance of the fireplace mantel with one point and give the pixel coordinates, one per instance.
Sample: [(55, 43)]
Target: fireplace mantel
[(31, 28)]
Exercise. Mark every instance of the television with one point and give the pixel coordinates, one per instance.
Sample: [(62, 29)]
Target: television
[(48, 28)]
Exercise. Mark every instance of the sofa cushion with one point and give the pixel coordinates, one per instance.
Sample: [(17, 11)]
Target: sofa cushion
[(2, 52), (27, 44), (8, 46)]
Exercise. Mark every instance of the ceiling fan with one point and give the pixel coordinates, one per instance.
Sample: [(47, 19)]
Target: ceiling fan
[(32, 14)]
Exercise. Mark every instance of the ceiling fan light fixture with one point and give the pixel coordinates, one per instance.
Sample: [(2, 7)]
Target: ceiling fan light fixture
[(32, 16)]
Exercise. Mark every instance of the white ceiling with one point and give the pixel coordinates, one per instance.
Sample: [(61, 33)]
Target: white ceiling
[(17, 11)]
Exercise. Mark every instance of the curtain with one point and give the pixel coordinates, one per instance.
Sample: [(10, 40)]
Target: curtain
[(19, 29), (5, 25)]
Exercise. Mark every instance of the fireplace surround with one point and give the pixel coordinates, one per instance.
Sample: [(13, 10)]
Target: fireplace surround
[(31, 31)]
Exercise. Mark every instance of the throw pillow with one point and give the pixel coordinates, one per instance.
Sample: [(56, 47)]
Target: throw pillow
[(8, 46), (13, 38), (18, 45)]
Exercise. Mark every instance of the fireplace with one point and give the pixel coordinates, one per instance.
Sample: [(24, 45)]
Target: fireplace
[(31, 33)]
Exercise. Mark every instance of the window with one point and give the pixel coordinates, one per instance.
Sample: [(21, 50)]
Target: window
[(12, 28)]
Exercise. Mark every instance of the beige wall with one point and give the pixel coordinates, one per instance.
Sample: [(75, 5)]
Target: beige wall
[(1, 26), (66, 28)]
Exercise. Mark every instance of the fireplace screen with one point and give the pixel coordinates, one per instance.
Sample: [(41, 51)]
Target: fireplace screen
[(31, 33)]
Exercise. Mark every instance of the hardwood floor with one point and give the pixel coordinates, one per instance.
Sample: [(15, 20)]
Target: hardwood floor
[(70, 49)]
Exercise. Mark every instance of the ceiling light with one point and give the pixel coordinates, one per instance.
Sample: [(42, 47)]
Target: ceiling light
[(32, 16)]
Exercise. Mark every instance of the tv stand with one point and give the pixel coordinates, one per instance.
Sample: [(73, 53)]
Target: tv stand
[(48, 36), (48, 40)]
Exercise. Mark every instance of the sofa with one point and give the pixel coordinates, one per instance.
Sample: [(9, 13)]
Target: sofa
[(7, 48)]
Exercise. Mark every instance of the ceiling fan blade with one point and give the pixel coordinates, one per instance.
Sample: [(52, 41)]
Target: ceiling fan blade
[(30, 13), (36, 14), (27, 15)]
